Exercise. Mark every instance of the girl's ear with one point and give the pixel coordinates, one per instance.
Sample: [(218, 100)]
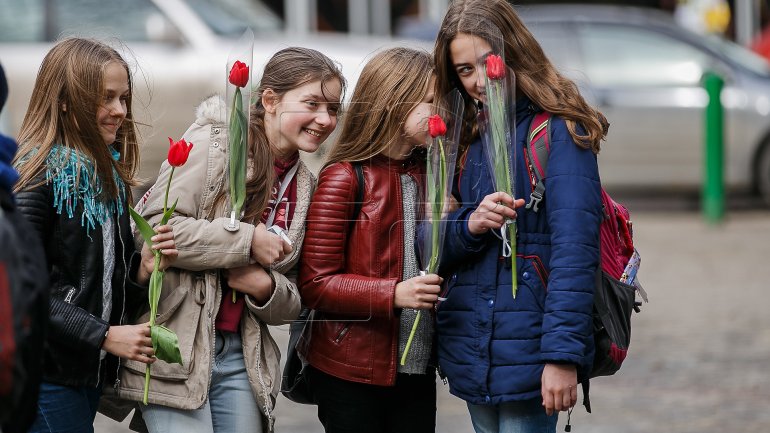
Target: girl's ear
[(269, 100)]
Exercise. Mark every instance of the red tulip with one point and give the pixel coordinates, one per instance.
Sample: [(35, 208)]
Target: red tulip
[(495, 67), (178, 152), (239, 74), (436, 126)]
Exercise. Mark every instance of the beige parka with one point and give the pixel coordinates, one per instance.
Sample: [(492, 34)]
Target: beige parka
[(192, 292)]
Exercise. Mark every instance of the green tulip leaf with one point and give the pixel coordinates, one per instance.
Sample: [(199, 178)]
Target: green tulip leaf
[(166, 344), (168, 213), (143, 226)]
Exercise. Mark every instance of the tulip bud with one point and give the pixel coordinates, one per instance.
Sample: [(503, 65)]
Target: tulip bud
[(239, 74), (495, 67), (178, 152), (436, 126)]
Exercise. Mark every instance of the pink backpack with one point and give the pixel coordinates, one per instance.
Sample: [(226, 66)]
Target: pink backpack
[(616, 288)]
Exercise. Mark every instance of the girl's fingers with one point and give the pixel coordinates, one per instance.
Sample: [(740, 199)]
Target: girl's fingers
[(567, 399), (548, 403)]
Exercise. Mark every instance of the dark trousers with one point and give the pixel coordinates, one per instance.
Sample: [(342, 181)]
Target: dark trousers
[(351, 407)]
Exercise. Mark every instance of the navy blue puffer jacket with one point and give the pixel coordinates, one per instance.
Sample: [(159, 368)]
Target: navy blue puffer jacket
[(492, 347)]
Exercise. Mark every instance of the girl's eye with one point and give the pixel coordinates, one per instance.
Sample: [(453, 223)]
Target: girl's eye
[(334, 109), (464, 70), (311, 104)]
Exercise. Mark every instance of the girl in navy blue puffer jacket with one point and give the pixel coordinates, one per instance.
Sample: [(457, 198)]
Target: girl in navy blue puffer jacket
[(517, 361)]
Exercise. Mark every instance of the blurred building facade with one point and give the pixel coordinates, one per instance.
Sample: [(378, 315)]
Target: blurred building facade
[(413, 18)]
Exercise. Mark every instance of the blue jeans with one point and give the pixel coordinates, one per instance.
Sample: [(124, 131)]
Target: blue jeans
[(526, 416), (230, 406), (66, 409)]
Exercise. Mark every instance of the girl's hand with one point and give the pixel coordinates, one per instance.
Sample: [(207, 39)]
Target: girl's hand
[(492, 212), (559, 387), (419, 292), (267, 248), (252, 280), (130, 342), (163, 241)]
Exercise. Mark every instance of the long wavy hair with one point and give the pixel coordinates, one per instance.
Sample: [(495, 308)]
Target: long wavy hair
[(536, 77), (391, 85), (288, 69), (62, 110)]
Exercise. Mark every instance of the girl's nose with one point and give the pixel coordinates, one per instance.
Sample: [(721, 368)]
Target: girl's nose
[(323, 118), (480, 82), (118, 108)]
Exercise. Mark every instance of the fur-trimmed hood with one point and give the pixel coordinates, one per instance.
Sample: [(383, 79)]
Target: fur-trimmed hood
[(212, 110)]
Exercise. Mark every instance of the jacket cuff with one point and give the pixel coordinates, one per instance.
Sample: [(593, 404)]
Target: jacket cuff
[(471, 242), (283, 306)]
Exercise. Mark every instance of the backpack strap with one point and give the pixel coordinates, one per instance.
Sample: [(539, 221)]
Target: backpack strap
[(537, 149)]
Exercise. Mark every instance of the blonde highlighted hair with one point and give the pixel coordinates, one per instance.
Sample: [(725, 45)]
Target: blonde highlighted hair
[(391, 85), (62, 110)]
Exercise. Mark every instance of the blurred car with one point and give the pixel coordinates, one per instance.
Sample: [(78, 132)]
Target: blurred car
[(645, 74), (177, 50)]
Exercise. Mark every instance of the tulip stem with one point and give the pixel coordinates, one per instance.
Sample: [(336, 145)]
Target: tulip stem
[(168, 187)]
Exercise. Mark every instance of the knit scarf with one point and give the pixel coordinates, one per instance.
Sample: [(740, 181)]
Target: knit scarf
[(77, 188)]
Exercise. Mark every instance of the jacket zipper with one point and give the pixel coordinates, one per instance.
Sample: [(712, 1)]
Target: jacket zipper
[(70, 295), (342, 333), (123, 304)]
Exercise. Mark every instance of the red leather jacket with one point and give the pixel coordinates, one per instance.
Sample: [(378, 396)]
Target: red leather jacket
[(349, 274)]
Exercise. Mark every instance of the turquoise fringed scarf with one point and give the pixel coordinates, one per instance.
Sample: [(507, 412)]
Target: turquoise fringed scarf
[(73, 180)]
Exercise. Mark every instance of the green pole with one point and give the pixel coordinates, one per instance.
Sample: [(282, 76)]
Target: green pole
[(713, 184)]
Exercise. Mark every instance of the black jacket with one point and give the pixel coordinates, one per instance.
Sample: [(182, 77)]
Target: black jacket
[(75, 261), (24, 307)]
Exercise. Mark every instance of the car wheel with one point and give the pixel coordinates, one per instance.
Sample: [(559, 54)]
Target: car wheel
[(763, 173)]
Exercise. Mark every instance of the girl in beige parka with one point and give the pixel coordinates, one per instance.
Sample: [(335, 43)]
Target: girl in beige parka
[(230, 376)]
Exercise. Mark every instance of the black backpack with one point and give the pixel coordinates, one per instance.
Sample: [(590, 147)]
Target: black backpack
[(23, 318)]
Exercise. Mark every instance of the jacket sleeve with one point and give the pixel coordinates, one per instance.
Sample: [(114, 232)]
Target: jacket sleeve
[(284, 305), (36, 205), (202, 244), (460, 244), (323, 282), (68, 324), (574, 214)]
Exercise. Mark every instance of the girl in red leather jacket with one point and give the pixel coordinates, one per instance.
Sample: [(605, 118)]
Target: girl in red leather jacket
[(359, 272)]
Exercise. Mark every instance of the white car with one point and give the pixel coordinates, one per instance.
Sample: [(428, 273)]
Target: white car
[(177, 49)]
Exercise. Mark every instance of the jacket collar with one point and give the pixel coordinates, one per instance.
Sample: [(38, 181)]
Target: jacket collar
[(397, 165)]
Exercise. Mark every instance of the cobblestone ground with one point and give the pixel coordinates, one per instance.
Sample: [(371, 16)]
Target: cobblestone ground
[(700, 349)]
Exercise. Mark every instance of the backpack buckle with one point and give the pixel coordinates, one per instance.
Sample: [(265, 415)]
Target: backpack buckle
[(534, 201)]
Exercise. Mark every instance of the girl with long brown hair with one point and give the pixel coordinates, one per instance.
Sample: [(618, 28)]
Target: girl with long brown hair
[(76, 161), (517, 360), (230, 376), (359, 270)]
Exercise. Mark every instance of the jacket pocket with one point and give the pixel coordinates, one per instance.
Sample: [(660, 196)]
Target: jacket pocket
[(534, 276), (179, 311), (342, 332)]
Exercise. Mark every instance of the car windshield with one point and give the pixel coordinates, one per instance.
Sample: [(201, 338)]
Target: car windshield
[(232, 17), (740, 55)]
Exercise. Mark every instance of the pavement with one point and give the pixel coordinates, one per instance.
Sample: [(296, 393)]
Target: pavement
[(700, 350)]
